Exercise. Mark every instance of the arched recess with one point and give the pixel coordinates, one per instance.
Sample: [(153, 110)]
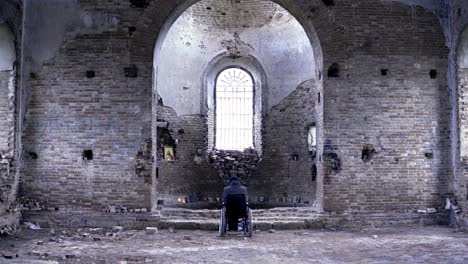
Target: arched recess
[(462, 73), (8, 181), (327, 42), (254, 67), (7, 89)]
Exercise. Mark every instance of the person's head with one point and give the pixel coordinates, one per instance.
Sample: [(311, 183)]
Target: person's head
[(233, 178)]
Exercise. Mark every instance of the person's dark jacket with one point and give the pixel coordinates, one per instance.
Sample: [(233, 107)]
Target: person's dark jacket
[(235, 187)]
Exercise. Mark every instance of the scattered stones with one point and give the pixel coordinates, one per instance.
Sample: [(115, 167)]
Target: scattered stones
[(151, 230), (69, 256), (375, 236), (117, 228), (32, 226), (235, 163), (171, 229), (9, 255), (187, 237), (271, 231)]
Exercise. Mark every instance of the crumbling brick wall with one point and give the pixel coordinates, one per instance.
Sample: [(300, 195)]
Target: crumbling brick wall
[(403, 115), (288, 169), (189, 174), (385, 97)]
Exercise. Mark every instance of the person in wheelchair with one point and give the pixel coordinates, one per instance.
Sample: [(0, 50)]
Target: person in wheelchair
[(235, 201)]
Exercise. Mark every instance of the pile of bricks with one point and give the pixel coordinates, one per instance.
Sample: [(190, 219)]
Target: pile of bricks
[(235, 163)]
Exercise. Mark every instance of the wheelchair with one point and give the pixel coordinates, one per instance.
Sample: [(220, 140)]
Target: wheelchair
[(236, 209)]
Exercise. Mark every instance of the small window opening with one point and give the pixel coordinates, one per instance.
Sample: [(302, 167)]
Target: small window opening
[(314, 173), (88, 155), (384, 72), (433, 74), (234, 102), (312, 138)]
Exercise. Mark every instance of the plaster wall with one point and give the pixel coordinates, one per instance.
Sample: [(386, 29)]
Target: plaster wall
[(282, 48)]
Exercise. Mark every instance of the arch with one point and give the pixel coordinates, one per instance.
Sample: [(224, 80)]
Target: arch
[(160, 15), (234, 81), (462, 82), (7, 89), (253, 66)]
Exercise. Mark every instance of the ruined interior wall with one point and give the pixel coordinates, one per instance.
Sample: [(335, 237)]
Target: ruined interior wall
[(10, 39), (362, 107), (284, 136), (190, 174), (281, 51), (401, 119), (85, 95)]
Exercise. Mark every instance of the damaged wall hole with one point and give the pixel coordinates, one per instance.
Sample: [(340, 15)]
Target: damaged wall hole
[(367, 153), (329, 2), (131, 30), (334, 71), (429, 155), (33, 155), (384, 72), (433, 74), (314, 173), (87, 155), (131, 71), (139, 3), (90, 74)]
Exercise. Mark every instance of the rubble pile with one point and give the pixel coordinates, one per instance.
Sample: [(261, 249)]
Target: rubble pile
[(114, 209), (30, 204), (235, 163), (8, 230)]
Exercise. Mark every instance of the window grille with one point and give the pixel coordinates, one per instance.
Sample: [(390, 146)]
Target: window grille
[(234, 110)]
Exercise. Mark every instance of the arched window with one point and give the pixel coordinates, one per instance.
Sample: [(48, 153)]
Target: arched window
[(234, 110)]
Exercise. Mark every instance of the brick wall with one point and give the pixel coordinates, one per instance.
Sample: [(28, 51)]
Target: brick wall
[(71, 111), (285, 136), (185, 175), (404, 116)]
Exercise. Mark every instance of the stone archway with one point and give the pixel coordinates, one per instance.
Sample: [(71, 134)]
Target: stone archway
[(315, 18), (462, 85)]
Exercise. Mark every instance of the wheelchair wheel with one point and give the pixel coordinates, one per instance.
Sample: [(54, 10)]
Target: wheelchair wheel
[(222, 223), (248, 224)]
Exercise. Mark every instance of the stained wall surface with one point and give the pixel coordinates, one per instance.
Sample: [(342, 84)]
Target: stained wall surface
[(386, 139)]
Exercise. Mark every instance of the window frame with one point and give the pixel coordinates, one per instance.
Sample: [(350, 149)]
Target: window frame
[(215, 105)]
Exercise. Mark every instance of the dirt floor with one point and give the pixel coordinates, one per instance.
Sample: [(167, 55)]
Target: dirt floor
[(387, 245)]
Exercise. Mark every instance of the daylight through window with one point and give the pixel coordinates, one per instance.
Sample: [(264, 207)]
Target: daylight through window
[(234, 110)]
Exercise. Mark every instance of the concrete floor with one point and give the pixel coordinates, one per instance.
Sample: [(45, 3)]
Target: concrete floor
[(386, 245)]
